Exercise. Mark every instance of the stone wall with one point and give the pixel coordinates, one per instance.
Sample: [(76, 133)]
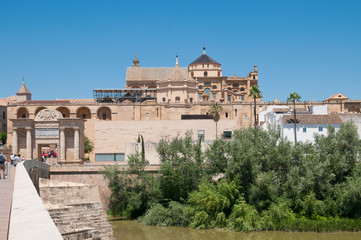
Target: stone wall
[(75, 209)]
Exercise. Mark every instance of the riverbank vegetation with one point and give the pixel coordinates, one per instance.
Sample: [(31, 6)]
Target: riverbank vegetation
[(256, 181)]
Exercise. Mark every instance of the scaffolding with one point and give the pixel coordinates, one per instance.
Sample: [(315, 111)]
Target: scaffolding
[(121, 95)]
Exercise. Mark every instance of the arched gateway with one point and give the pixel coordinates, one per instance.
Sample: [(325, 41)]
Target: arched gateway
[(49, 128)]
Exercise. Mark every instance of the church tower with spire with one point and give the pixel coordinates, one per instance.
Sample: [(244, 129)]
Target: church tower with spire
[(23, 94)]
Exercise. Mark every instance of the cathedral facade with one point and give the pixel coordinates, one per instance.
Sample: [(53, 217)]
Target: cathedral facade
[(158, 103)]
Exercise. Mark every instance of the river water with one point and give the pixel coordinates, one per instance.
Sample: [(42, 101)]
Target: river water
[(131, 230)]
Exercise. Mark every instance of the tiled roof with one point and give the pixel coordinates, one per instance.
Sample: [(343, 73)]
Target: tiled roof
[(282, 110), (337, 96), (204, 59), (312, 119), (178, 75), (23, 90), (46, 102), (150, 74)]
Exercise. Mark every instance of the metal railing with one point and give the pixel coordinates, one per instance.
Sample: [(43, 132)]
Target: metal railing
[(36, 170)]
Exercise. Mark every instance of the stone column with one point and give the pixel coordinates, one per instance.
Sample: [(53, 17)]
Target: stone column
[(76, 144), (29, 148), (15, 141), (62, 144)]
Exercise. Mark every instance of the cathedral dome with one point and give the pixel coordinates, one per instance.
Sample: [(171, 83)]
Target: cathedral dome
[(204, 58)]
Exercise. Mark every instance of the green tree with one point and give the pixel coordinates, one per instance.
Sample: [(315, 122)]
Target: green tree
[(3, 137), (133, 190), (215, 110), (88, 145), (255, 93), (293, 98), (141, 140), (181, 167)]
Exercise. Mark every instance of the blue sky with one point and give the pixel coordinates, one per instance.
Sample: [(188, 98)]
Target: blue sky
[(65, 49)]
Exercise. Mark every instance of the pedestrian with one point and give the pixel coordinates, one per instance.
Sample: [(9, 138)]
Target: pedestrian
[(12, 158), (16, 160), (2, 165)]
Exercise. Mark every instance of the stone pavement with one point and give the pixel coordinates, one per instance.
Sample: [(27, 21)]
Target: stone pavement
[(6, 194)]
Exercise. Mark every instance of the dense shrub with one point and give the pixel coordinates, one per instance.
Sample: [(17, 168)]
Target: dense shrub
[(268, 183)]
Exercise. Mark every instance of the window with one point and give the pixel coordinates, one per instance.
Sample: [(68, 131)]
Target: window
[(242, 89), (254, 77), (23, 115), (177, 99), (229, 98), (207, 83), (63, 115), (191, 100), (235, 91), (107, 157), (235, 112), (205, 74), (320, 129), (304, 129), (192, 74), (226, 114), (236, 85), (246, 118), (200, 96), (214, 96), (104, 116), (200, 87), (207, 91), (202, 65), (219, 73), (201, 135), (227, 134), (163, 99), (207, 65), (214, 87), (84, 116), (242, 97), (4, 115)]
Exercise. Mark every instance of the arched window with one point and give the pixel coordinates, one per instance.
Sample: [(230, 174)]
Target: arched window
[(242, 89), (22, 113), (205, 74), (177, 99), (236, 85), (104, 113), (83, 113), (207, 91), (64, 111)]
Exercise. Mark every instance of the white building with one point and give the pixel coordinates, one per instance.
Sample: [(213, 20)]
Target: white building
[(309, 122), (308, 126)]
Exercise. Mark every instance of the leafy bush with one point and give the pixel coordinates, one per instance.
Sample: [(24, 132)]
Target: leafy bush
[(173, 215)]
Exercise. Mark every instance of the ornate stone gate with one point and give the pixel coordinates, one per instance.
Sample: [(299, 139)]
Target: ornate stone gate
[(49, 127)]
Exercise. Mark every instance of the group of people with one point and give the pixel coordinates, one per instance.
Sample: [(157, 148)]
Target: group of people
[(14, 160)]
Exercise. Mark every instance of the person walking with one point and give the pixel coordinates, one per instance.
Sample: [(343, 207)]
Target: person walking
[(2, 165), (12, 158), (16, 160)]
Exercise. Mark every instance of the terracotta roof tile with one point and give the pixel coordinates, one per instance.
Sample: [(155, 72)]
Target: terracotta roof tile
[(313, 119)]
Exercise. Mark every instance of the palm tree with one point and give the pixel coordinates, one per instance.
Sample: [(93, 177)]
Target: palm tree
[(293, 98), (255, 93), (215, 110)]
